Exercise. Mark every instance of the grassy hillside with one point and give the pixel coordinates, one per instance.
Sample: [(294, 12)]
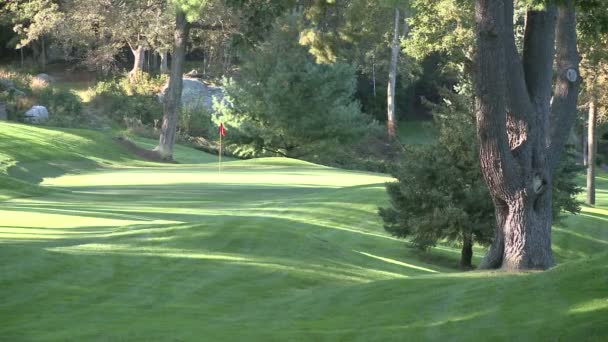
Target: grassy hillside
[(270, 249)]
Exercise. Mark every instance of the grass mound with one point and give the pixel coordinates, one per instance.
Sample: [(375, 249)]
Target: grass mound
[(115, 248)]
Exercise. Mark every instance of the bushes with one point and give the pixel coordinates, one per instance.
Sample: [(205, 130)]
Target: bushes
[(65, 107), (123, 98), (196, 122)]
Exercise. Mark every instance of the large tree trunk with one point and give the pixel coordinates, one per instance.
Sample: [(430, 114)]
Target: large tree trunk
[(591, 140), (522, 131), (164, 68), (139, 55), (392, 80), (172, 101)]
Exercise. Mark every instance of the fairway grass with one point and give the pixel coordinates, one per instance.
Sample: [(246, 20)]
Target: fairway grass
[(112, 248)]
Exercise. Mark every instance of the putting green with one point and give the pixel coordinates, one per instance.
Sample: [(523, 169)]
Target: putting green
[(270, 249)]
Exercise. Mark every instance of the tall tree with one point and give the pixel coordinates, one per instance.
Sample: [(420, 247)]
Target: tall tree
[(392, 78), (186, 11), (593, 43), (522, 129), (34, 22)]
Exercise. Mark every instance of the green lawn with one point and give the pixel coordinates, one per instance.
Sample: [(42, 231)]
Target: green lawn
[(113, 248)]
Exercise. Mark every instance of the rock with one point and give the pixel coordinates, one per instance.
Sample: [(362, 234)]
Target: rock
[(7, 84), (37, 114), (3, 114), (196, 94), (42, 80)]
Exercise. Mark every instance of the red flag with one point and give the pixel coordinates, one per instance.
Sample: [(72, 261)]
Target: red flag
[(222, 130)]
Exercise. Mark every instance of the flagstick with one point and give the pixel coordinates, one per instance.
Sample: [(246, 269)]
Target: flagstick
[(220, 155)]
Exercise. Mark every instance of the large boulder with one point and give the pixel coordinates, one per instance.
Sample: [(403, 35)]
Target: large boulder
[(196, 94), (36, 115)]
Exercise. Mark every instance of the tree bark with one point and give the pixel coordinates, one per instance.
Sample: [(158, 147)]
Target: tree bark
[(42, 53), (466, 255), (520, 130), (585, 144), (392, 80), (139, 55), (591, 140), (164, 68), (154, 61), (374, 75), (172, 101)]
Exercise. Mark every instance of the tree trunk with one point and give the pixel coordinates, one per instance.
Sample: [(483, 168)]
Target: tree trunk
[(466, 255), (21, 53), (172, 101), (528, 233), (585, 144), (154, 61), (164, 68), (139, 55), (374, 75), (42, 53), (521, 130), (392, 80), (591, 140)]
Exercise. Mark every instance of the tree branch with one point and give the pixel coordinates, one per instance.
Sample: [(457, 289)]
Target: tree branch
[(497, 162), (519, 105), (538, 55), (563, 108)]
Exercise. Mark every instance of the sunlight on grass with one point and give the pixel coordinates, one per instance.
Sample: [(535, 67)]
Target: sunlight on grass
[(593, 305), (396, 262), (236, 175)]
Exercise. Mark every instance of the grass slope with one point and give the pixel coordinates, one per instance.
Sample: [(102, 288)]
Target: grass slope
[(271, 249)]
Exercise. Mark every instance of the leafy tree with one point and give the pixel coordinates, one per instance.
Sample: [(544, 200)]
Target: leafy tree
[(185, 12), (284, 103), (34, 21), (357, 31), (593, 27), (104, 27)]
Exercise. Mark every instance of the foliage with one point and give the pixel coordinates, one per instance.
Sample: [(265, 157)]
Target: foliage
[(196, 122), (32, 19), (65, 108), (284, 103), (440, 192), (121, 98)]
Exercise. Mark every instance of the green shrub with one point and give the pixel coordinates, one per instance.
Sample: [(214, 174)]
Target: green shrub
[(196, 122), (122, 98), (284, 103), (61, 104)]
